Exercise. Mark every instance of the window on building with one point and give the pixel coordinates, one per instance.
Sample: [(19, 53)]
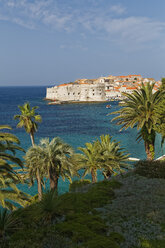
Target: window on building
[(78, 93), (93, 94), (73, 93), (68, 94)]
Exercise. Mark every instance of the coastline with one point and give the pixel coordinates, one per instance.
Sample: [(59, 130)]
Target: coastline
[(52, 102)]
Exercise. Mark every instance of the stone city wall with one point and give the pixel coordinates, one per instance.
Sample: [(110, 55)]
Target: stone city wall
[(77, 92)]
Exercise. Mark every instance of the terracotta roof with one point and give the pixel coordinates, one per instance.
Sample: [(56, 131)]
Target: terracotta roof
[(134, 75), (64, 85), (131, 88), (150, 78), (128, 76)]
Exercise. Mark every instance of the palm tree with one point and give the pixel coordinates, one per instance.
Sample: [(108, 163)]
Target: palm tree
[(90, 159), (34, 165), (9, 143), (9, 193), (47, 208), (28, 119), (138, 111), (113, 158), (52, 159), (56, 159), (8, 224), (160, 115)]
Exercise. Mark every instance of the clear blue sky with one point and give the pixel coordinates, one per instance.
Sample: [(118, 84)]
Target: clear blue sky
[(45, 42)]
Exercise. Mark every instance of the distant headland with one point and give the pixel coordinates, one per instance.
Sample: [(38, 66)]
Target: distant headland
[(97, 90)]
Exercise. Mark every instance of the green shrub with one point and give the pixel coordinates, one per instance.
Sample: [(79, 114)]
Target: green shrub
[(89, 230), (53, 206), (101, 242), (97, 196), (46, 237), (94, 222), (26, 238), (76, 231), (118, 238), (55, 240), (150, 169), (78, 184), (153, 244), (71, 215)]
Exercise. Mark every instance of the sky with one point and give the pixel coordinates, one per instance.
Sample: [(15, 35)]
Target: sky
[(47, 42)]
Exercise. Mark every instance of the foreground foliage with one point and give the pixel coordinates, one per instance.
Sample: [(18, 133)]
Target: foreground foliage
[(137, 212), (10, 195), (154, 169), (8, 224), (71, 217), (127, 212)]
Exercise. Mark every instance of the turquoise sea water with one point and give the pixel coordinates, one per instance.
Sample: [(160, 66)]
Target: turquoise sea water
[(76, 124)]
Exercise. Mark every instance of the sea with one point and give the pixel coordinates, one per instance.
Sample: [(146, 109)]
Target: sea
[(76, 124)]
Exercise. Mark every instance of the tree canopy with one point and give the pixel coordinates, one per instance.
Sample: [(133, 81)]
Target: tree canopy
[(138, 110), (10, 195)]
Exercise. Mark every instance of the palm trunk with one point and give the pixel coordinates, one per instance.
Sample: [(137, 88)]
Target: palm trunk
[(149, 148), (38, 174), (94, 175), (32, 138), (39, 186), (53, 177)]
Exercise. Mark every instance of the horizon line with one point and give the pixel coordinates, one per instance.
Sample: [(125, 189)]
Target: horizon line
[(26, 85)]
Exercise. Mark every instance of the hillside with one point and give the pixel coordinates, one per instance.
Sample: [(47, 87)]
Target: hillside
[(125, 212)]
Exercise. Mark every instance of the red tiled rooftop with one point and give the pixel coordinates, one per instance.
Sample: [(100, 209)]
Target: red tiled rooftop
[(63, 85)]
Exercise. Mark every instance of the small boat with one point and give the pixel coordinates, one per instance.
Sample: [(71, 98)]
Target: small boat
[(108, 106)]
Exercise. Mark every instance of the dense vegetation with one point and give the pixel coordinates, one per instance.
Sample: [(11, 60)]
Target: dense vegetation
[(125, 211)]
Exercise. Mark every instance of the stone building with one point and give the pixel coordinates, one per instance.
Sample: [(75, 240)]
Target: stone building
[(77, 92), (100, 89)]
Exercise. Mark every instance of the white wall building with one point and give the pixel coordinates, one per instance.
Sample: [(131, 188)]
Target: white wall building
[(100, 89), (77, 92), (112, 94)]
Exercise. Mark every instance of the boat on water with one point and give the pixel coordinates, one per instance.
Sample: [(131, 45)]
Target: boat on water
[(108, 106)]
